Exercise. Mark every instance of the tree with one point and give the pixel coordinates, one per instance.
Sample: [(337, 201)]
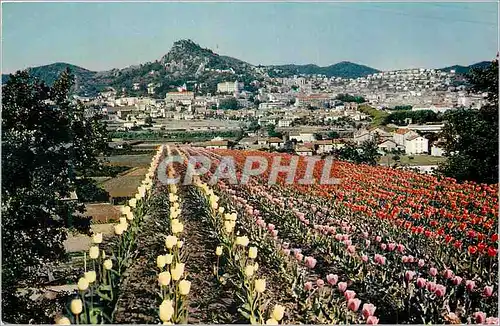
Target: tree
[(333, 135), (366, 153), (148, 120), (46, 141), (318, 136), (228, 104), (470, 137)]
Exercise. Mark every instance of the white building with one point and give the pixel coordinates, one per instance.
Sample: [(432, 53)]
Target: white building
[(284, 123), (417, 145), (303, 137), (229, 87), (401, 135), (437, 151)]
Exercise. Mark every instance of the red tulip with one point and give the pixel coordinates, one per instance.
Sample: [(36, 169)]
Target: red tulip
[(421, 282), (492, 252), (470, 285), (480, 317), (488, 291)]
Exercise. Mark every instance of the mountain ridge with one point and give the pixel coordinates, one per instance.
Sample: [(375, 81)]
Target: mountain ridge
[(188, 61)]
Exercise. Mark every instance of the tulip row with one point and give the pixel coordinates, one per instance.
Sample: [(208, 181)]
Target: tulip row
[(240, 260), (97, 289), (174, 287), (347, 250)]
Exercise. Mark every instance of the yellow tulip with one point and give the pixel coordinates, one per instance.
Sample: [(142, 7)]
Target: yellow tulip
[(123, 220), (278, 312), (179, 244), (242, 241), (130, 216), (177, 227), (90, 276), (161, 261), (76, 306), (218, 250), (184, 287), (249, 270), (119, 229), (260, 285), (177, 271), (170, 241), (252, 252), (83, 284), (221, 210), (94, 252), (166, 310), (97, 238), (132, 202), (271, 321), (228, 227), (256, 267), (168, 259), (108, 264), (63, 321), (164, 278)]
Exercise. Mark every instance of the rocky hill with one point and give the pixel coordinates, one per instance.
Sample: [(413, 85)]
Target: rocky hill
[(188, 63)]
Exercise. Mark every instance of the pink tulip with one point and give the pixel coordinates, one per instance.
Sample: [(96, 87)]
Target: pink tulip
[(391, 246), (338, 237), (332, 279), (286, 245), (320, 283), (431, 286), (470, 285), (492, 321), (310, 262), (421, 282), (440, 290), (299, 257), (378, 238), (379, 259), (345, 237), (308, 286), (274, 233), (488, 291), (404, 259), (411, 259), (400, 248), (383, 246), (270, 227), (342, 286), (349, 295), (368, 310), (367, 243), (433, 271), (457, 280), (480, 317), (364, 258), (261, 223), (351, 249), (347, 243), (286, 252), (448, 274), (365, 234), (409, 275), (421, 263), (372, 320), (353, 304)]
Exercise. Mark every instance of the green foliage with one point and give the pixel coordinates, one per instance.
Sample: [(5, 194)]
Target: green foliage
[(88, 191), (46, 141), (471, 136), (403, 107), (378, 117), (229, 104), (366, 153), (419, 117), (342, 69), (333, 135), (350, 98), (271, 132)]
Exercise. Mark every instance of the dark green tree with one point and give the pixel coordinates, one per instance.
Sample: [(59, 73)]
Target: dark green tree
[(470, 137), (46, 141), (229, 104), (366, 153)]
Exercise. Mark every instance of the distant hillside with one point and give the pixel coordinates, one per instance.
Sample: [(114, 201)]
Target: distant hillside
[(84, 79), (465, 69), (342, 69), (201, 69)]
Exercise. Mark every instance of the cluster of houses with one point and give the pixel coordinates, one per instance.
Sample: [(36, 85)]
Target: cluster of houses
[(305, 143), (403, 139)]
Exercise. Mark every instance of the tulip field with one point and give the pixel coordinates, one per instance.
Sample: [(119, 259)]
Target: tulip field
[(382, 246)]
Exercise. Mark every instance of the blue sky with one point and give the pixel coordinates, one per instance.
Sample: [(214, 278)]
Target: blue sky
[(100, 36)]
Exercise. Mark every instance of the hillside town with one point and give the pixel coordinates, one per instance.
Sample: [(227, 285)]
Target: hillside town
[(308, 114)]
